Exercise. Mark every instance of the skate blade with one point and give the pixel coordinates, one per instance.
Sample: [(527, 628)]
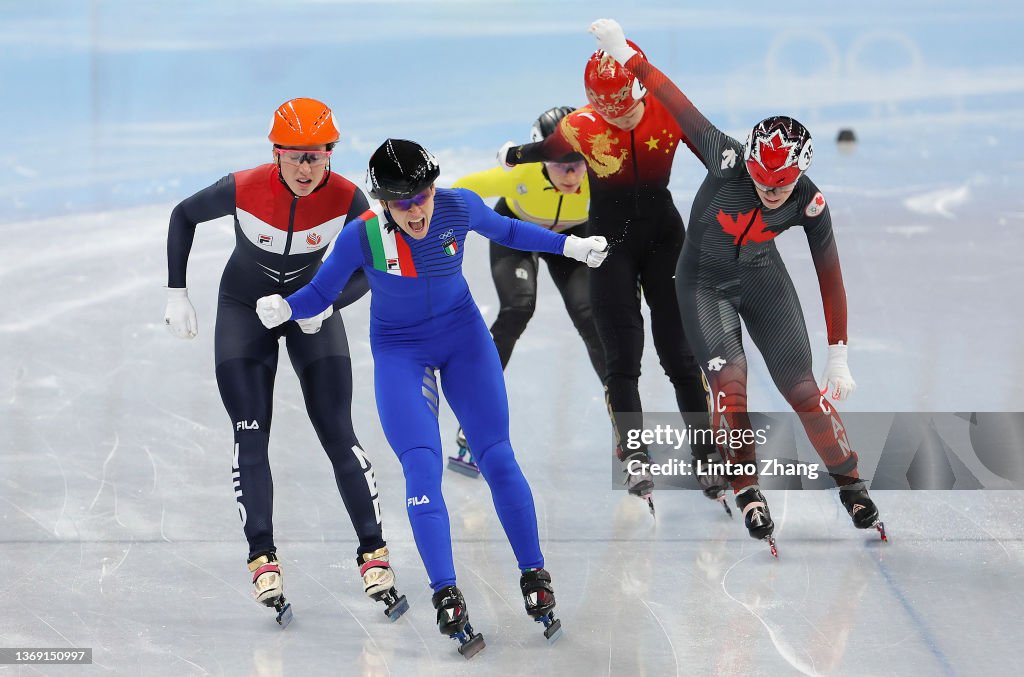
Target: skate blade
[(770, 540), (728, 510), (553, 631), (472, 647), (881, 530), (463, 467), (395, 611), (284, 614)]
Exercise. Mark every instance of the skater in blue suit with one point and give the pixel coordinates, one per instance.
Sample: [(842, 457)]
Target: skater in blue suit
[(424, 324)]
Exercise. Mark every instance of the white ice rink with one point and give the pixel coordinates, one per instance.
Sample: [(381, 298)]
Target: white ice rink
[(118, 529)]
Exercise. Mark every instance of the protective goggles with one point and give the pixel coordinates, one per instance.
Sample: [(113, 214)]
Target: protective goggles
[(774, 189), (315, 158), (563, 168), (406, 204)]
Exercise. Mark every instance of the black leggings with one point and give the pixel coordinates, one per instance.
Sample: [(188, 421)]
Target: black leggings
[(642, 262), (246, 356), (515, 277), (714, 293)]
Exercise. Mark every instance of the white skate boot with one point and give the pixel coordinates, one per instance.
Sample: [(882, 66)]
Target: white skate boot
[(268, 585), (379, 582)]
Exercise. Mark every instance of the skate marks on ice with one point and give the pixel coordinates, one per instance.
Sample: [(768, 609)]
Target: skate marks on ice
[(840, 601)]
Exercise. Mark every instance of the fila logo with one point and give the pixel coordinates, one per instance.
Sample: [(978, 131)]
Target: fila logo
[(716, 364), (313, 239), (422, 500), (247, 425), (266, 240)]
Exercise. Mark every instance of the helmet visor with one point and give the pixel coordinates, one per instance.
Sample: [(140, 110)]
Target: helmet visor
[(315, 158), (564, 168), (405, 204)]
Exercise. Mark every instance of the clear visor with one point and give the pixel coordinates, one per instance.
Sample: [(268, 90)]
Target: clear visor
[(774, 189), (565, 168), (315, 158)]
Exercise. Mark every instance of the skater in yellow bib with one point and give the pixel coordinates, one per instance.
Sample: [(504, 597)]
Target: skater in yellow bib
[(554, 195)]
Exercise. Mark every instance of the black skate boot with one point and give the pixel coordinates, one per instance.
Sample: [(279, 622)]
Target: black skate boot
[(639, 482), (268, 585), (540, 601), (464, 463), (756, 516), (453, 620), (711, 483), (861, 508), (379, 582)]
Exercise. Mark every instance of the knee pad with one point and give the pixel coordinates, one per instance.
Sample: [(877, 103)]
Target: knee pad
[(512, 320)]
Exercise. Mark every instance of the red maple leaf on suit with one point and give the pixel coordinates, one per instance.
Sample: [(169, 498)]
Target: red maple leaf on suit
[(750, 222)]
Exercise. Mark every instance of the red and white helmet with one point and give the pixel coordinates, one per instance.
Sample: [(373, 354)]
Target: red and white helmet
[(778, 151), (611, 88)]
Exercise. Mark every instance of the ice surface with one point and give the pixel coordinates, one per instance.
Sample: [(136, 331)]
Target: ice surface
[(117, 523)]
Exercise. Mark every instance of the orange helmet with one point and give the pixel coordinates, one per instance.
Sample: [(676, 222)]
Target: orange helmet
[(303, 122)]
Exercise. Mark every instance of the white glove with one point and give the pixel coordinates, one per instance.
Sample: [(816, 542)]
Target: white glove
[(612, 40), (589, 250), (311, 325), (503, 156), (836, 380), (180, 315), (273, 311)]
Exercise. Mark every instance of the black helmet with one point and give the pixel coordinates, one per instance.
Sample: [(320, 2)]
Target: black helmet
[(545, 125), (400, 169)]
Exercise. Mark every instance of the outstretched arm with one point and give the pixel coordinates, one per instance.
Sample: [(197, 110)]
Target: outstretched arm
[(721, 154), (531, 237), (555, 148), (357, 285), (323, 289), (508, 231)]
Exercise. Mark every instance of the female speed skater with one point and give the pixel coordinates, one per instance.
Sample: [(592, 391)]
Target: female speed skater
[(730, 268), (423, 324), (556, 196), (286, 213)]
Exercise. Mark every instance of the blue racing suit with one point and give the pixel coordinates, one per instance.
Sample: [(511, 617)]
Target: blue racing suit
[(425, 323)]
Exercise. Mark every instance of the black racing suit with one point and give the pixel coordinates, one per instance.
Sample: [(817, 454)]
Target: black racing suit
[(632, 207), (730, 268), (515, 277), (280, 240)]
